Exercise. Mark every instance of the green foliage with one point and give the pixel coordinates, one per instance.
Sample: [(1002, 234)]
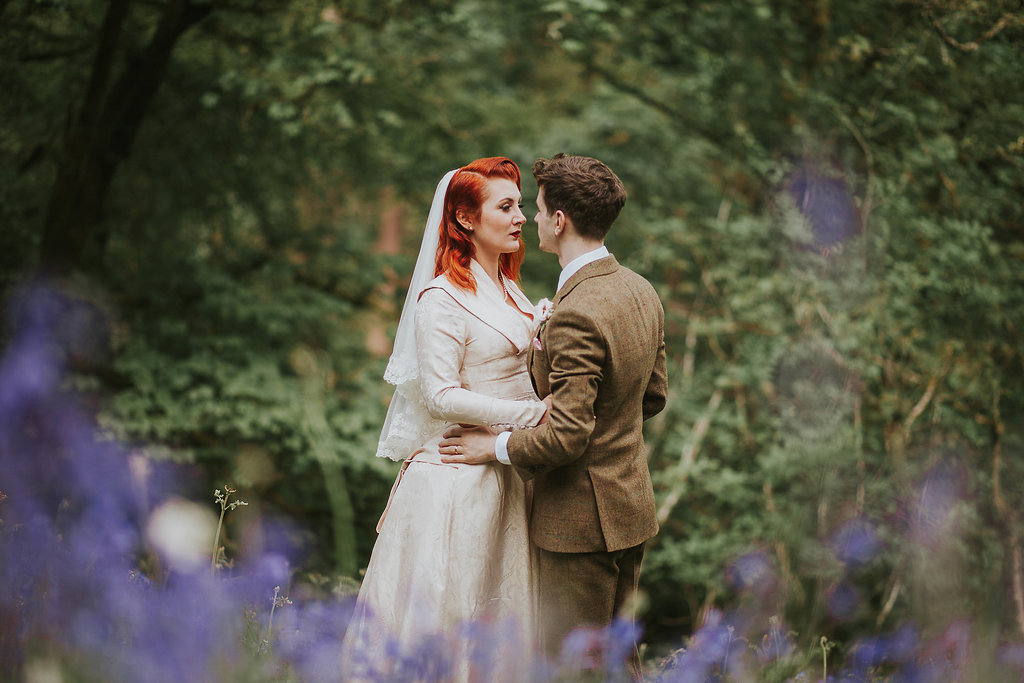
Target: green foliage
[(813, 380), (840, 378)]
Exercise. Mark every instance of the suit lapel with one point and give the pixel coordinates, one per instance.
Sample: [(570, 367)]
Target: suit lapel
[(603, 266), (538, 369), (529, 368)]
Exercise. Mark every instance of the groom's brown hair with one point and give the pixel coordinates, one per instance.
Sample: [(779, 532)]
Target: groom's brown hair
[(584, 189)]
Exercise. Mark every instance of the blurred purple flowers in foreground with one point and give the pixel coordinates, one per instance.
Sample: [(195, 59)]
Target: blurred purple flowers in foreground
[(74, 527), (80, 517)]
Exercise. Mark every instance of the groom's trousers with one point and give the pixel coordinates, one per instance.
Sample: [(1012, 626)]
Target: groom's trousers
[(586, 589)]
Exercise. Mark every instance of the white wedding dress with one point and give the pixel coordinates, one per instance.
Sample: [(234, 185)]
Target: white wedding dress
[(453, 555)]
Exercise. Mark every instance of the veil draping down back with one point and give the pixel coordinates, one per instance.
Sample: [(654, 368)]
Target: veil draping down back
[(408, 423)]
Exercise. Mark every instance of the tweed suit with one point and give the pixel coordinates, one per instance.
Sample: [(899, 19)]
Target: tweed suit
[(602, 357)]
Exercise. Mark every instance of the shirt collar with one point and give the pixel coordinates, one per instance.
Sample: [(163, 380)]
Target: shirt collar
[(572, 267)]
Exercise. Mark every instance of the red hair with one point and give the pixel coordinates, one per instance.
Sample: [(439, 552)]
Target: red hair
[(466, 193)]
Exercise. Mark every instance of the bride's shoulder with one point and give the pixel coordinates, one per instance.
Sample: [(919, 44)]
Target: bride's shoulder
[(439, 293), (438, 305), (435, 287)]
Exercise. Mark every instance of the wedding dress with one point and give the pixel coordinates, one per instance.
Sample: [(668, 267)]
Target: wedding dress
[(453, 553)]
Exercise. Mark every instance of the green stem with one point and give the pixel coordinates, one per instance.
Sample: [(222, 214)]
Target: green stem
[(216, 541), (270, 621)]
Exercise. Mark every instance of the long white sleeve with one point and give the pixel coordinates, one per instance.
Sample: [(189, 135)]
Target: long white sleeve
[(442, 336)]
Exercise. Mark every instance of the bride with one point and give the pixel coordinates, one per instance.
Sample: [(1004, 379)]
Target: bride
[(452, 551)]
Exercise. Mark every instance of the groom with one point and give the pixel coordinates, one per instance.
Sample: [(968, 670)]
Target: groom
[(601, 357)]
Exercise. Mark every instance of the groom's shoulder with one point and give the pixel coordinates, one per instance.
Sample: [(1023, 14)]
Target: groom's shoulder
[(633, 276), (606, 294), (629, 281)]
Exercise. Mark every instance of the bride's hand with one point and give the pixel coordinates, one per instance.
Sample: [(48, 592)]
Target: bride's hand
[(547, 413), (467, 445)]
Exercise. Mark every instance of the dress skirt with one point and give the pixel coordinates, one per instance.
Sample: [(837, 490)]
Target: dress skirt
[(450, 581)]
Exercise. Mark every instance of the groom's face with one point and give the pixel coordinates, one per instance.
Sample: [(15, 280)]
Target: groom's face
[(545, 225)]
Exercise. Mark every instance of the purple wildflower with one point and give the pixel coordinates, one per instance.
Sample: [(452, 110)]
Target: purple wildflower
[(898, 647), (856, 543), (825, 200), (714, 649), (842, 601), (752, 572), (775, 644)]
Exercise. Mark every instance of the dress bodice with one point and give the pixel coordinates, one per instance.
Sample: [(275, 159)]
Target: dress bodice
[(471, 351)]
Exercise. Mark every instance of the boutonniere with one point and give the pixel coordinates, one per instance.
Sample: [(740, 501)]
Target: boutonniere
[(542, 312)]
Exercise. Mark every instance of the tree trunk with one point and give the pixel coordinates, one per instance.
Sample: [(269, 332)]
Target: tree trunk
[(101, 135), (314, 369), (343, 518)]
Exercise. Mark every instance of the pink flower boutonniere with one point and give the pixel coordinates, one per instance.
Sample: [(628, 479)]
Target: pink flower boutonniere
[(541, 314), (543, 309)]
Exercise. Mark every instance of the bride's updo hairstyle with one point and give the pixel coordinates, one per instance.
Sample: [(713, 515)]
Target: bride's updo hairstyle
[(466, 193)]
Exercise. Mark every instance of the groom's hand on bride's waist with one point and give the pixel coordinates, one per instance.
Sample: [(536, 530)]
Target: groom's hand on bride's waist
[(464, 444)]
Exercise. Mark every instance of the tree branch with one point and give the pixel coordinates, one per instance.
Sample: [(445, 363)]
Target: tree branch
[(101, 136), (893, 593), (971, 46), (630, 89), (66, 53), (103, 63), (785, 563), (923, 402), (689, 456), (1006, 512), (869, 160)]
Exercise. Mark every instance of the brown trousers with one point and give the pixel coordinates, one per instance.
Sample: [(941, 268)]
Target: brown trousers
[(586, 589)]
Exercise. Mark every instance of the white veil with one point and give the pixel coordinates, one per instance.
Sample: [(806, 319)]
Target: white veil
[(408, 423)]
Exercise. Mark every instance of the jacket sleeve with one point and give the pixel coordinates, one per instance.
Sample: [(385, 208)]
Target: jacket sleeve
[(657, 387), (441, 334), (578, 352)]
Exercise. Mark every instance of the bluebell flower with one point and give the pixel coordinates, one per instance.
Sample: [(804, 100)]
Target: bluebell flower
[(606, 649), (776, 643), (1010, 656), (856, 543), (897, 647), (842, 600), (752, 572), (714, 650), (931, 512), (308, 636), (825, 200)]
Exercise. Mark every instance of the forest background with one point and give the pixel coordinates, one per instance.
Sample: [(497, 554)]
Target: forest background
[(827, 196)]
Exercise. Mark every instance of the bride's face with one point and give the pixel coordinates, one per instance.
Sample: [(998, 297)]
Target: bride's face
[(496, 231)]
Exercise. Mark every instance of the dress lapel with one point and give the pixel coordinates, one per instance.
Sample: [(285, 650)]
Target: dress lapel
[(488, 304)]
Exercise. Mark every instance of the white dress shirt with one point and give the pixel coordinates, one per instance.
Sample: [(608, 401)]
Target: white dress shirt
[(571, 268)]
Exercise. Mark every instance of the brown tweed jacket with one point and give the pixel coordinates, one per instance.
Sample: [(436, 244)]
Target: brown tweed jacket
[(602, 357)]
